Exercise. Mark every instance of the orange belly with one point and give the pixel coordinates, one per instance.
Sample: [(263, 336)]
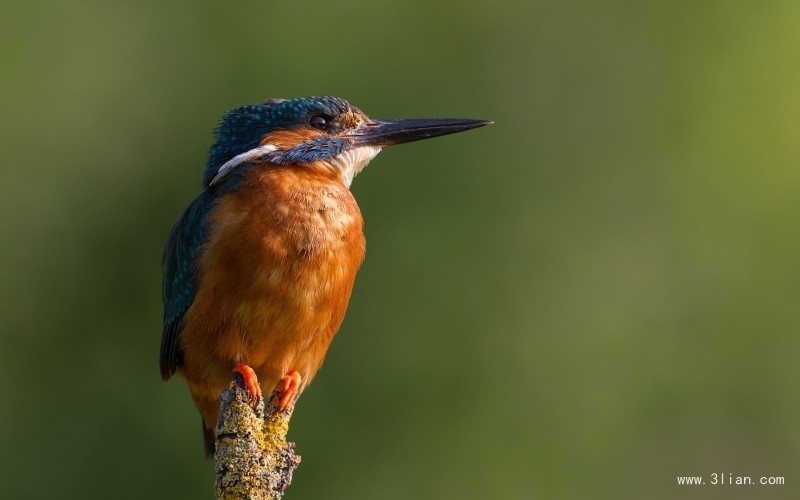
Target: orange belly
[(275, 278)]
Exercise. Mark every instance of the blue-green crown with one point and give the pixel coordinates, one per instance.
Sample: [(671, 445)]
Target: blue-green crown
[(241, 129)]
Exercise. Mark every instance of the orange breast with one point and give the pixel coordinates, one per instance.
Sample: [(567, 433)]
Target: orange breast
[(275, 279)]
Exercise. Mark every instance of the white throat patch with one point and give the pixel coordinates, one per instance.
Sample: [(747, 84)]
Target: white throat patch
[(352, 161)]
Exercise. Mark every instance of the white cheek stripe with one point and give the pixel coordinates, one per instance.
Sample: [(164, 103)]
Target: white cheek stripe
[(247, 156)]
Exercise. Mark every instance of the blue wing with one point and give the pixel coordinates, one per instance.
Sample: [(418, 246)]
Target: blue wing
[(180, 278)]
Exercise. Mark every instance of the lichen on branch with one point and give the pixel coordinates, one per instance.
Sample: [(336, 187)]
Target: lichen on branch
[(253, 459)]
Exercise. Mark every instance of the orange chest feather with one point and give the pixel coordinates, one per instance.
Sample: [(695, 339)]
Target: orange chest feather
[(281, 257)]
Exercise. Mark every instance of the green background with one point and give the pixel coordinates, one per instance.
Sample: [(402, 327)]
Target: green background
[(593, 296)]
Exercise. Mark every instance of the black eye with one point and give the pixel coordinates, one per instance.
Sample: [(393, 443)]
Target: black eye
[(319, 122)]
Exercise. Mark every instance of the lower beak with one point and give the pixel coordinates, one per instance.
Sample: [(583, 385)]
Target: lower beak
[(389, 132)]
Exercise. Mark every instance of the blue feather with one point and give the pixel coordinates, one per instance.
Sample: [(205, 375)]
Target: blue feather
[(180, 278), (310, 151), (241, 129)]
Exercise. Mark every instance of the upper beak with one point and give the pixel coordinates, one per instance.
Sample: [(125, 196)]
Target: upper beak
[(389, 132)]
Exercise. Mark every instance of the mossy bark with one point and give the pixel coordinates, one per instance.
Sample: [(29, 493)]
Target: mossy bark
[(253, 459)]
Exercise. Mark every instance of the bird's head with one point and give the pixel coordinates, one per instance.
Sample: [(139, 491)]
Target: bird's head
[(325, 132)]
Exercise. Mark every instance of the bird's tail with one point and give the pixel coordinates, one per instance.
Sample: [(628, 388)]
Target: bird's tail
[(210, 440)]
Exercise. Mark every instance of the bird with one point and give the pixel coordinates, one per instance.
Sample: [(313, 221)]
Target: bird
[(259, 268)]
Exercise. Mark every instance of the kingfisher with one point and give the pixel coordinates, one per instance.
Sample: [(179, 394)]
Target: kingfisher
[(259, 268)]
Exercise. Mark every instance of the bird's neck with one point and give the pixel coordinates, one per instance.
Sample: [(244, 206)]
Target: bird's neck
[(349, 163), (308, 210)]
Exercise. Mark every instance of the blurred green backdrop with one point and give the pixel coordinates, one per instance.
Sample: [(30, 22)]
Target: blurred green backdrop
[(596, 294)]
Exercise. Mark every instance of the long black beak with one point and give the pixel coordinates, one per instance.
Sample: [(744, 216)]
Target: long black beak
[(389, 132)]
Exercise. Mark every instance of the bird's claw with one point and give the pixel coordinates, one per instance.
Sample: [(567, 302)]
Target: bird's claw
[(250, 381), (291, 386)]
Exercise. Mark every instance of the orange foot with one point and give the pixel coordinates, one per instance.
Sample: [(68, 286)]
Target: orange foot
[(291, 384), (250, 380)]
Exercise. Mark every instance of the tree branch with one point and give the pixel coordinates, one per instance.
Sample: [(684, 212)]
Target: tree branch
[(253, 459)]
